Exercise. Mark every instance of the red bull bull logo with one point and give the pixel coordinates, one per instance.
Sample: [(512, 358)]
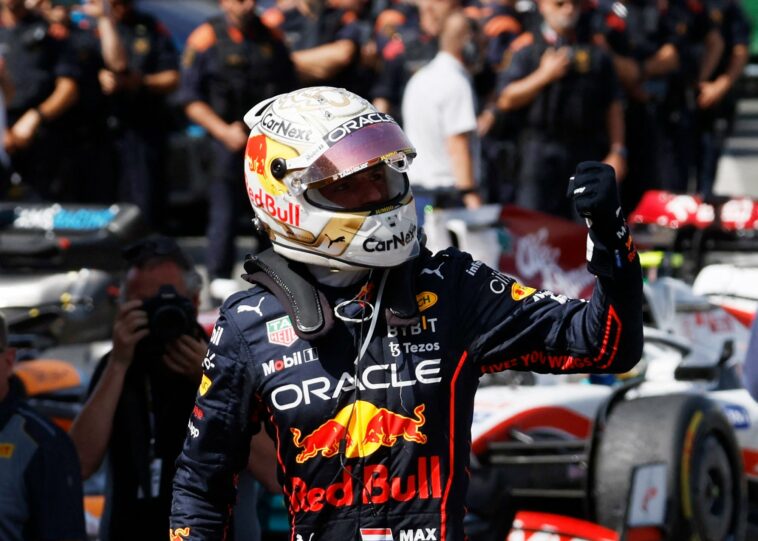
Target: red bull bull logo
[(378, 487), (363, 428), (256, 154)]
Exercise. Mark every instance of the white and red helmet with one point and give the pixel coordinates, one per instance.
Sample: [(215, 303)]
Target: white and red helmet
[(305, 140)]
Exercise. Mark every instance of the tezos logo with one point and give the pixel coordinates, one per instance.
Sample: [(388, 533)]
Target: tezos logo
[(287, 361)]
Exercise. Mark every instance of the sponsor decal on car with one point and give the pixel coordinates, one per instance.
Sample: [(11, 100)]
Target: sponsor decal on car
[(738, 416), (281, 332)]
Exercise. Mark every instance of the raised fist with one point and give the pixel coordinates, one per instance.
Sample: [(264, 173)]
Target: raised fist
[(593, 188)]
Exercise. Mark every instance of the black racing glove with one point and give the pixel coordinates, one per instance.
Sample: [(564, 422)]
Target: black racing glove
[(593, 188)]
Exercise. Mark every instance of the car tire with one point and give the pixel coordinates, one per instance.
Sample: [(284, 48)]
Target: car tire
[(706, 490)]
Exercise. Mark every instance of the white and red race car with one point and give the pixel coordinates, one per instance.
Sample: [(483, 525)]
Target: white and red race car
[(669, 451)]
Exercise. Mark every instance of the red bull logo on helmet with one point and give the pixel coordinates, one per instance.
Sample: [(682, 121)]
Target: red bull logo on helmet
[(359, 429)]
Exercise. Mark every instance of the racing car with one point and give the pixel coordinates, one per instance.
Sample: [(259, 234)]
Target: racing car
[(665, 452)]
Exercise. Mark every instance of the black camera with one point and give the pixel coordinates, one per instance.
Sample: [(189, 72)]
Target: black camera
[(169, 315)]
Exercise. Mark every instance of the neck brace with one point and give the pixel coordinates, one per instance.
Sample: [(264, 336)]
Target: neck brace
[(308, 307)]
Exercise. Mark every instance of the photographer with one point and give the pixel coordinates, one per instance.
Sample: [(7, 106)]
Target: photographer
[(143, 391)]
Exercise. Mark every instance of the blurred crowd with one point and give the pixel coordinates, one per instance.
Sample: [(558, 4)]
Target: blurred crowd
[(501, 97)]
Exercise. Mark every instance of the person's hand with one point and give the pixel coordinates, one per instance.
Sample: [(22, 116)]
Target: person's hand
[(129, 328), (593, 188), (25, 128), (185, 356), (234, 137), (554, 63), (712, 92)]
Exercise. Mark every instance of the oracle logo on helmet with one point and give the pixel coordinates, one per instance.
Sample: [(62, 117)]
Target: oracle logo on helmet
[(354, 124)]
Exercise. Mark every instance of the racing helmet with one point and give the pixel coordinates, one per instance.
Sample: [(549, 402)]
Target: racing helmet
[(309, 148)]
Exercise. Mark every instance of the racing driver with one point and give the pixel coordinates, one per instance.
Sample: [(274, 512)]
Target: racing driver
[(359, 350)]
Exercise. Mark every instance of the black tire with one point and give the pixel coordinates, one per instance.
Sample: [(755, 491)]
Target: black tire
[(706, 488)]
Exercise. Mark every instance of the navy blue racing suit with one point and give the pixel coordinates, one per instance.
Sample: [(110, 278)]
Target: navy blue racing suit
[(378, 449)]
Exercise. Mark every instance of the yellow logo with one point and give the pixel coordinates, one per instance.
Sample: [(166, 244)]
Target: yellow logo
[(259, 154), (6, 450), (205, 384), (519, 292), (178, 534), (582, 60), (425, 300)]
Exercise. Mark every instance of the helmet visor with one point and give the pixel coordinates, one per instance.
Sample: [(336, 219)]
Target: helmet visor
[(377, 187), (351, 151)]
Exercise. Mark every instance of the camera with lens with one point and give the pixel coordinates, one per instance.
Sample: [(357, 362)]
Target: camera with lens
[(169, 315)]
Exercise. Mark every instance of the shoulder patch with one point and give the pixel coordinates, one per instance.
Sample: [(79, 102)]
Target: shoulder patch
[(202, 38)]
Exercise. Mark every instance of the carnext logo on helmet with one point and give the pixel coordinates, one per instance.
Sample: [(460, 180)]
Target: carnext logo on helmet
[(342, 131), (288, 130), (372, 244)]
